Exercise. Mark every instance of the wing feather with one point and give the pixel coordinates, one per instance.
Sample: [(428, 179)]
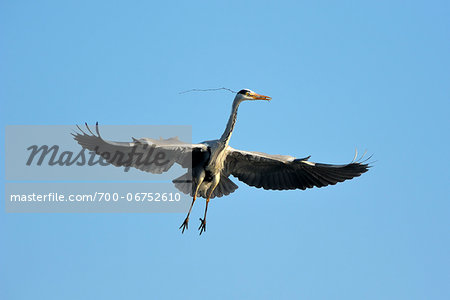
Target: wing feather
[(149, 155), (281, 172)]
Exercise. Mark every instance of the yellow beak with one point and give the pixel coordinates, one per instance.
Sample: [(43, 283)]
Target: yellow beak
[(260, 97)]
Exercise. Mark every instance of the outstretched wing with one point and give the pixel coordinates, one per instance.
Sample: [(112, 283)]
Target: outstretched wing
[(280, 172), (150, 155)]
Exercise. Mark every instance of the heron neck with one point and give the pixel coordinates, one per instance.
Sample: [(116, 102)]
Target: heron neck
[(225, 138)]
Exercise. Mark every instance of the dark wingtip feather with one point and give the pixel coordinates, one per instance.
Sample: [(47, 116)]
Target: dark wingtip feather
[(89, 129)]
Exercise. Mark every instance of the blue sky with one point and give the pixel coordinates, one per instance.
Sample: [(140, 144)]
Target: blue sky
[(342, 74)]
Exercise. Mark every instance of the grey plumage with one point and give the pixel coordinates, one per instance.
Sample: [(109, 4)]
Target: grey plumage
[(210, 164), (278, 172)]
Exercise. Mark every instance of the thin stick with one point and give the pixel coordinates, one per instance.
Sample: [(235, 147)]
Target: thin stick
[(208, 90)]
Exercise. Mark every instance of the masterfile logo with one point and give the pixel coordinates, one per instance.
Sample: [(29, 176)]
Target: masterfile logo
[(48, 171)]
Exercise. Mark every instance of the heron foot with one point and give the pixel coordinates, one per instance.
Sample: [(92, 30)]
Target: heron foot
[(184, 225), (202, 226)]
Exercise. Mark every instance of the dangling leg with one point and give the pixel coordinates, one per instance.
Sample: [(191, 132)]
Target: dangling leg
[(186, 221), (203, 221), (202, 227)]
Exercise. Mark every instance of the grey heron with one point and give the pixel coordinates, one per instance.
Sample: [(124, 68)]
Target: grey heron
[(211, 163)]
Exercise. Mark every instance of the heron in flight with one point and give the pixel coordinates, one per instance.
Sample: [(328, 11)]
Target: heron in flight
[(211, 163)]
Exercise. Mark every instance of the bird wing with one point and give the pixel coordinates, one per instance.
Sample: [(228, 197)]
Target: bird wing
[(149, 155), (282, 172)]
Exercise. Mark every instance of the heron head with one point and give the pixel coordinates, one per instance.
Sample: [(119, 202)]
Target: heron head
[(247, 94)]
